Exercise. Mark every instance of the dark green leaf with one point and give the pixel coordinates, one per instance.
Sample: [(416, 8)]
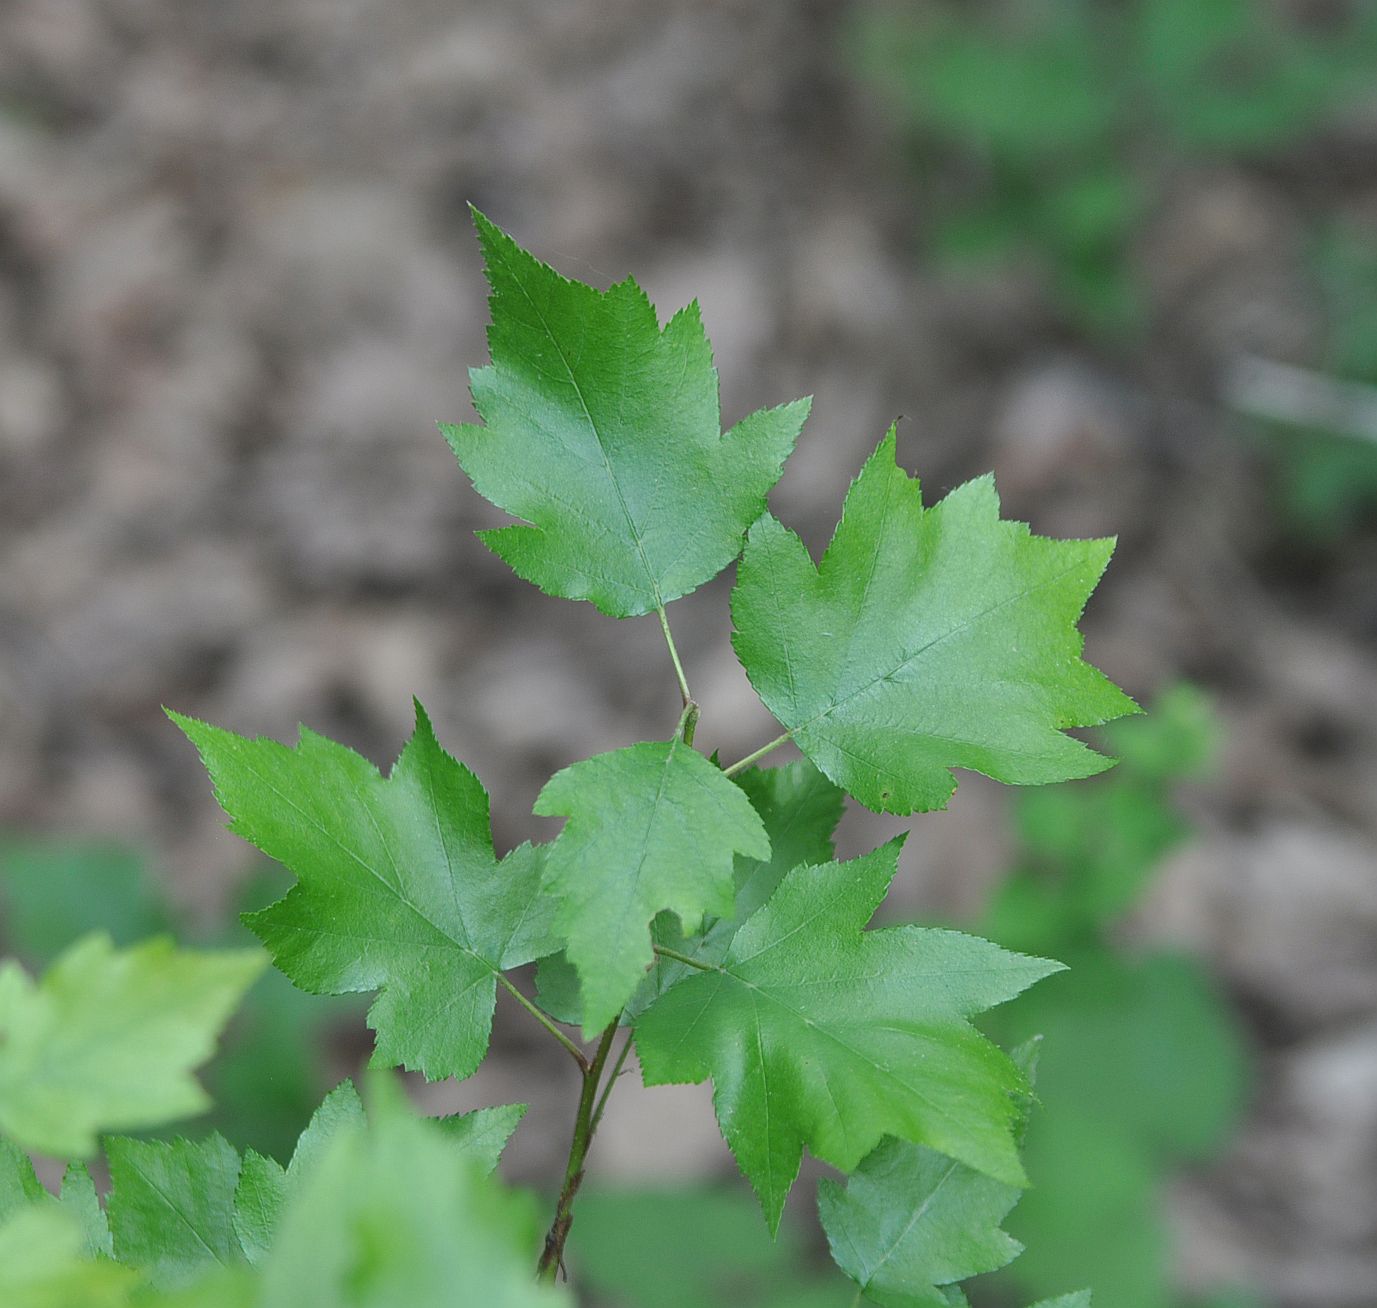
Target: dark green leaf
[(604, 434)]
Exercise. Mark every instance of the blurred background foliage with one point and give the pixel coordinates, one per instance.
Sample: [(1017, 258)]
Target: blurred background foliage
[(1044, 132)]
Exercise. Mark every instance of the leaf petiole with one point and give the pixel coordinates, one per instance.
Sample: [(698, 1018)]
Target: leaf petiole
[(665, 952), (760, 753), (674, 656), (578, 1055)]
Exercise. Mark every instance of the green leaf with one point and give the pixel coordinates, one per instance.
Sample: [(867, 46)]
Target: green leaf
[(225, 1287), (398, 1215), (259, 1198), (42, 1265), (483, 1134), (19, 1183), (79, 1199), (171, 1206), (398, 888), (108, 1039), (1080, 1299), (265, 1185), (815, 1032), (910, 1221), (926, 640), (800, 809), (651, 828), (604, 434)]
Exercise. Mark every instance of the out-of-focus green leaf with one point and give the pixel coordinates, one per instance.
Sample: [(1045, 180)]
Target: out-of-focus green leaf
[(108, 1038), (397, 1214), (1141, 1069), (43, 1265), (54, 891)]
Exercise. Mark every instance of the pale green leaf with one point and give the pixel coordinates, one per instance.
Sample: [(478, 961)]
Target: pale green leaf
[(171, 1206), (398, 888), (398, 1215), (108, 1039), (603, 433), (816, 1032), (43, 1265), (652, 828), (224, 1287), (926, 640)]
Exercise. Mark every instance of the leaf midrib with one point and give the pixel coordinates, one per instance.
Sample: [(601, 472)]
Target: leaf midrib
[(927, 646), (396, 891), (592, 427)]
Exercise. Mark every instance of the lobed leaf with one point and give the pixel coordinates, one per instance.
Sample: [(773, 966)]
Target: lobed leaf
[(603, 432), (800, 810), (911, 1221), (652, 828), (925, 640), (264, 1184), (171, 1206), (108, 1038), (816, 1032), (398, 888)]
